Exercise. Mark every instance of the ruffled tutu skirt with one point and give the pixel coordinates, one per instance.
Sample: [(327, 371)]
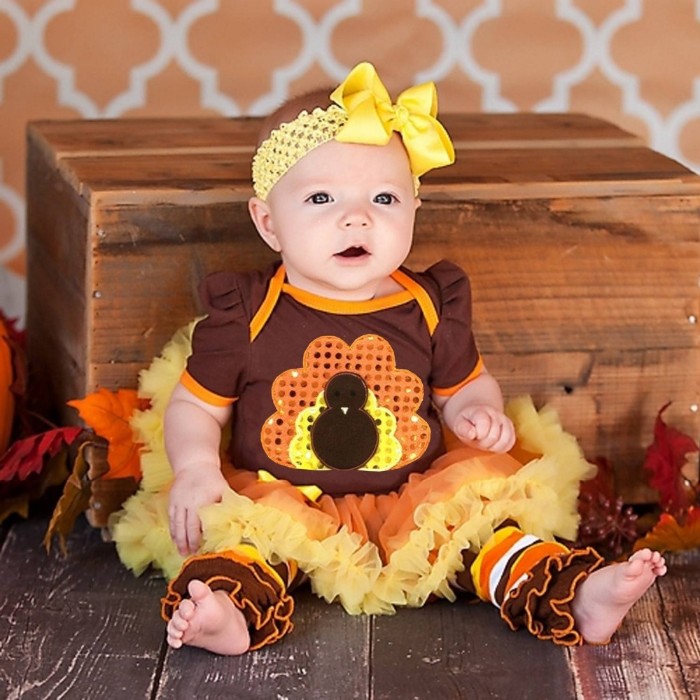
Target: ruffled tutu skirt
[(370, 552)]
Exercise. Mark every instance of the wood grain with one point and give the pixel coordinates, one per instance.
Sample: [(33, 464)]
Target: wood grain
[(654, 654), (679, 599), (463, 651), (582, 245), (327, 656), (81, 627)]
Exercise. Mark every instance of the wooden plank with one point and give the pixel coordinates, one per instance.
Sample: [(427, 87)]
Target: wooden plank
[(573, 148), (57, 294), (576, 273), (463, 651), (680, 594), (608, 400), (643, 659), (62, 140), (173, 172), (76, 627), (480, 127), (326, 656), (562, 164), (75, 138), (568, 163), (559, 298), (476, 171)]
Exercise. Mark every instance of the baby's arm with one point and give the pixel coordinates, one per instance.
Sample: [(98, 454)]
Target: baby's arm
[(192, 438), (475, 415)]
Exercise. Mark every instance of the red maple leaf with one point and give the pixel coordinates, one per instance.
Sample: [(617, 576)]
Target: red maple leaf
[(25, 458), (664, 459), (30, 466)]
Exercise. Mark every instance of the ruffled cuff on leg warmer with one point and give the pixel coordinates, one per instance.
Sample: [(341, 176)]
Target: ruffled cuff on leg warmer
[(542, 602), (256, 589)]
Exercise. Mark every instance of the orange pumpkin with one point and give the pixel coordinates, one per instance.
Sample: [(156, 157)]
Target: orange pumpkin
[(7, 399)]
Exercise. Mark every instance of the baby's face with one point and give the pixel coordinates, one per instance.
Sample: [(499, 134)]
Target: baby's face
[(342, 218)]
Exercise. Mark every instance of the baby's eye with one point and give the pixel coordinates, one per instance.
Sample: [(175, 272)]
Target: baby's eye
[(385, 198), (320, 198)]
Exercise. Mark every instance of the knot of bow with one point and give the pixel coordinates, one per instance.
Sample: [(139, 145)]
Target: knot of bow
[(372, 118)]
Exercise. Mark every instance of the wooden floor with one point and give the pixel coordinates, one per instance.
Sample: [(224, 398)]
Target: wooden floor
[(82, 627)]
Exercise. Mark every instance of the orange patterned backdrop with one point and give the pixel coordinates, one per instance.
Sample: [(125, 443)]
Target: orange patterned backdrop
[(634, 62)]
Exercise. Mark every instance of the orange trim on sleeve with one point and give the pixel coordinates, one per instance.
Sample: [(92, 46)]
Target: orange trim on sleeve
[(421, 296), (450, 390), (274, 289), (193, 386)]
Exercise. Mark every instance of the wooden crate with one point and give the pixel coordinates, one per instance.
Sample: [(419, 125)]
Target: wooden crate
[(583, 248)]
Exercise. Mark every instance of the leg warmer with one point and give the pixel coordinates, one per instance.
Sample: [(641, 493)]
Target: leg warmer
[(257, 589), (532, 582)]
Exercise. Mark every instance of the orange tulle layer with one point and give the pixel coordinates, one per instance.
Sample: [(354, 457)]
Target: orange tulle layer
[(385, 520)]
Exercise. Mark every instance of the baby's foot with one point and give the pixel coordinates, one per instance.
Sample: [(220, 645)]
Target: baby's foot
[(210, 620), (605, 597)]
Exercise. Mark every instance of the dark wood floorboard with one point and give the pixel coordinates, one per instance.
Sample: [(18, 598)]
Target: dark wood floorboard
[(463, 651), (326, 656), (82, 627), (76, 627), (656, 654)]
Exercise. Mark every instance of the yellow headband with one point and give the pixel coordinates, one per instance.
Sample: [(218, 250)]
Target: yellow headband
[(362, 113)]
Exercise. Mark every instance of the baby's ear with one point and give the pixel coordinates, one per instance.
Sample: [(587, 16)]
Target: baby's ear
[(262, 218)]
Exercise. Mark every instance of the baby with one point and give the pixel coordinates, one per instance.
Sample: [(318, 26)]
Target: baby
[(338, 369)]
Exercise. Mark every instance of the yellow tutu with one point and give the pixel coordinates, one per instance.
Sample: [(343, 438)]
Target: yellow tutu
[(370, 553)]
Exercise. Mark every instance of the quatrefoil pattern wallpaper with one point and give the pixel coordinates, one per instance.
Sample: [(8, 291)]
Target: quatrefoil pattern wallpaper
[(633, 62)]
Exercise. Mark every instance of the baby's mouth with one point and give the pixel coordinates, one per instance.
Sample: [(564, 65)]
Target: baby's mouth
[(354, 251)]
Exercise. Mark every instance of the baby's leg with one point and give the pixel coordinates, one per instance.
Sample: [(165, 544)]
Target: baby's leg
[(558, 593), (606, 595), (209, 620)]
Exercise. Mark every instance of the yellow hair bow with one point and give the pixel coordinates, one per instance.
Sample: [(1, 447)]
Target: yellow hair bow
[(372, 118)]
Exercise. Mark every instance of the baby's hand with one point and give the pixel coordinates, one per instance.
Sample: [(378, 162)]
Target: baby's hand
[(486, 428), (192, 489)]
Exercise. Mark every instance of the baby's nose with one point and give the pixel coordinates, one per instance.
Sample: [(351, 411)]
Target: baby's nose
[(356, 218)]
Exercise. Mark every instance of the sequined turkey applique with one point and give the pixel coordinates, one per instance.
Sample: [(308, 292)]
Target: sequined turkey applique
[(344, 436), (347, 407), (360, 435)]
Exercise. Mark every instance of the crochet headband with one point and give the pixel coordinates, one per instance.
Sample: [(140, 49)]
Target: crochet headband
[(362, 113)]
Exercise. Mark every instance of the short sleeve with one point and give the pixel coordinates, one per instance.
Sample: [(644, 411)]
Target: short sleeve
[(456, 359), (216, 368)]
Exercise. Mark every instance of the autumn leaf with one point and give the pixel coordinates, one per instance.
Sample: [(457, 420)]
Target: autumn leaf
[(664, 459), (30, 466), (73, 501), (668, 535), (26, 457), (108, 414)]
